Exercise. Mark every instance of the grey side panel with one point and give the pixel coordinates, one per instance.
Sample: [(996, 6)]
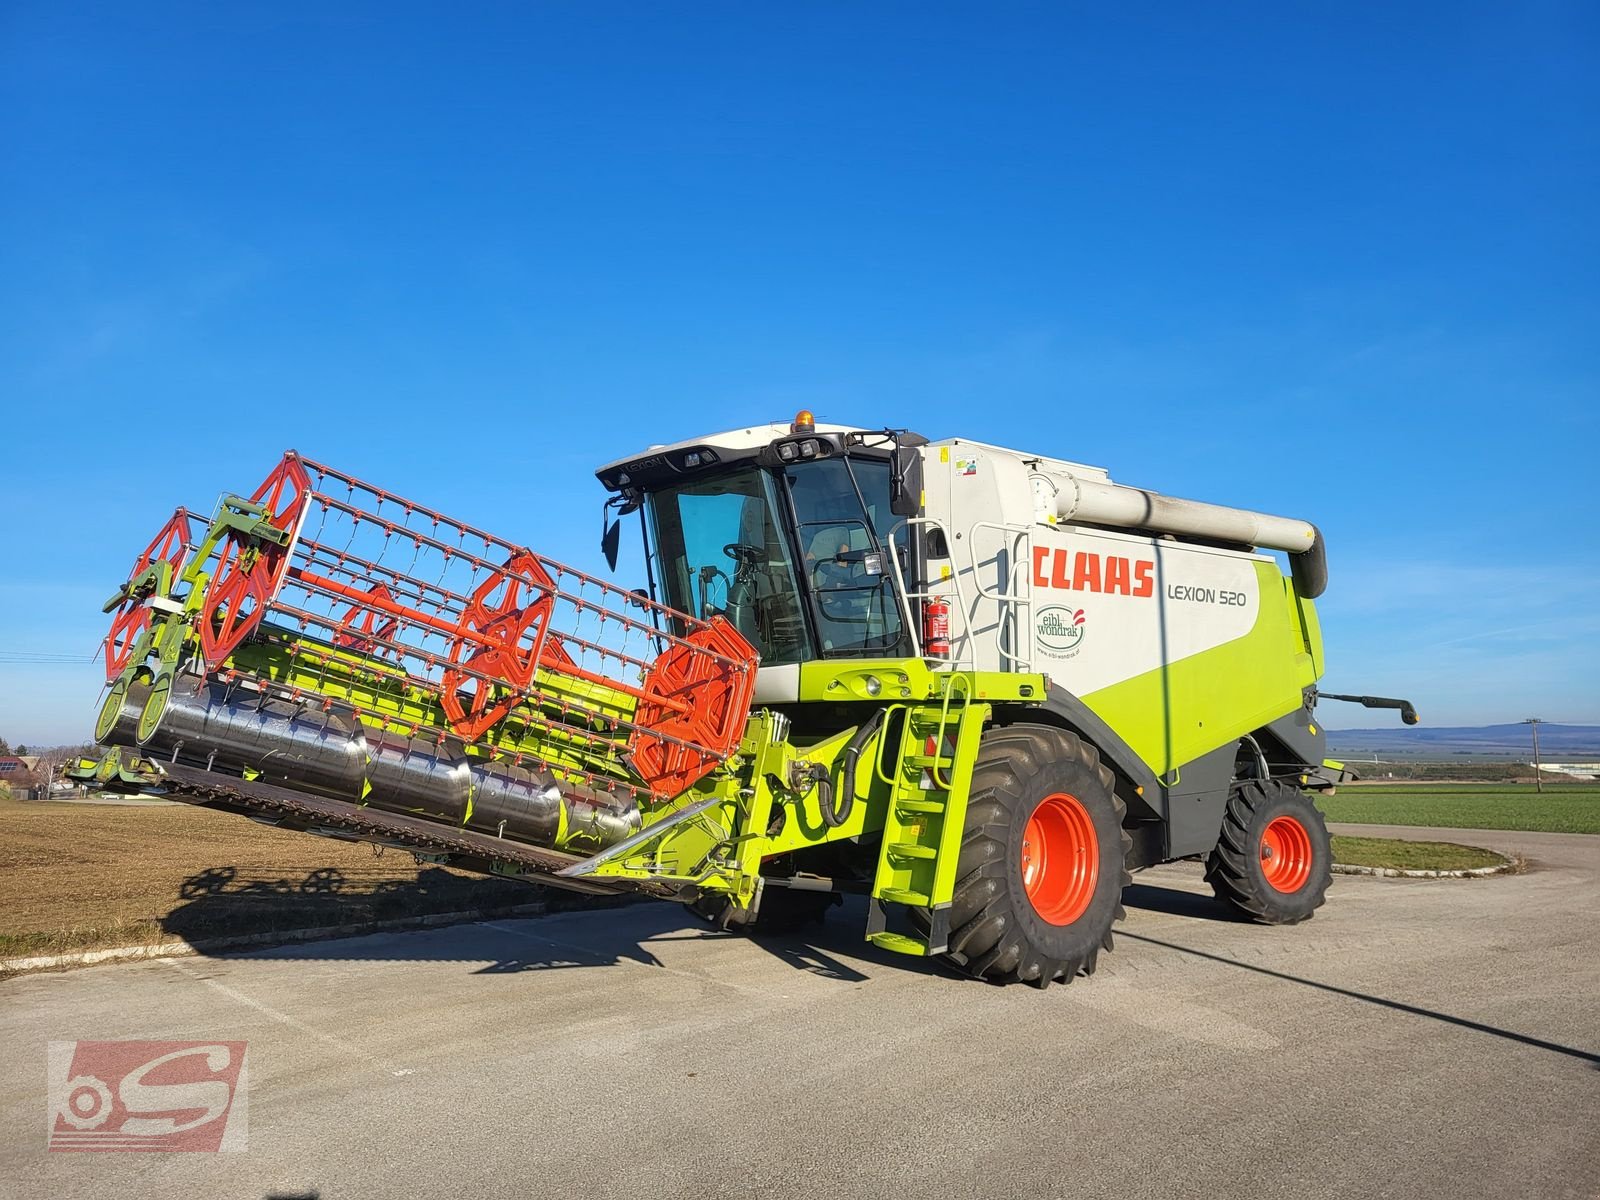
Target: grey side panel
[(1294, 741), (1072, 713), (778, 685), (1196, 801)]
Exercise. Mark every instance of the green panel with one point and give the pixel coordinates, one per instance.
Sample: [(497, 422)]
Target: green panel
[(1174, 714), (1304, 612)]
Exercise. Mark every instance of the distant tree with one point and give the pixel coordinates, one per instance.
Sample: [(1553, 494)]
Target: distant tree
[(4, 749), (54, 756), (22, 751)]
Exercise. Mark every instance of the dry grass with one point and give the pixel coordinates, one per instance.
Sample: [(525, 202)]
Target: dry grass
[(84, 876)]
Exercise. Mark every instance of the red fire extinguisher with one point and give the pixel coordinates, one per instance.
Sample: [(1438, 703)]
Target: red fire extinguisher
[(936, 627)]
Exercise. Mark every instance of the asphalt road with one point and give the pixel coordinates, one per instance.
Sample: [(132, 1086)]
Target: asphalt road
[(1418, 1038)]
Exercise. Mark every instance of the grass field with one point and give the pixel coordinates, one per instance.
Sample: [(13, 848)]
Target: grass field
[(1564, 808), (1411, 856), (83, 876)]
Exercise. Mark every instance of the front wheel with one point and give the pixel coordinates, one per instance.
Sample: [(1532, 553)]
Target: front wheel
[(1273, 859), (1043, 859)]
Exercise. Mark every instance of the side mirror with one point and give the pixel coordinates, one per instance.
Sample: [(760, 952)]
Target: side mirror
[(609, 540), (905, 482), (611, 532)]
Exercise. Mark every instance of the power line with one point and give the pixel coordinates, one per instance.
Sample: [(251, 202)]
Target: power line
[(43, 657)]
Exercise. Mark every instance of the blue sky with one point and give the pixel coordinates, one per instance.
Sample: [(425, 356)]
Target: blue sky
[(1336, 261)]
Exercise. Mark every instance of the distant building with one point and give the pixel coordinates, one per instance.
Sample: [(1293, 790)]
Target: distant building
[(1578, 770), (23, 777)]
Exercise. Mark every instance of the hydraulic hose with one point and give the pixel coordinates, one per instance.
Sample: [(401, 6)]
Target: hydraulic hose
[(832, 816)]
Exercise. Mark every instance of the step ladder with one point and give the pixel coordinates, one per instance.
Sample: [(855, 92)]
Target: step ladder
[(926, 817)]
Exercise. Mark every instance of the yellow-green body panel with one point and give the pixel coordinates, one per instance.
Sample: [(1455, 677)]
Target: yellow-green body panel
[(1181, 710)]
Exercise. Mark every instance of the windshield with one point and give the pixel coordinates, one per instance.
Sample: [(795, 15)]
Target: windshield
[(842, 534), (721, 551)]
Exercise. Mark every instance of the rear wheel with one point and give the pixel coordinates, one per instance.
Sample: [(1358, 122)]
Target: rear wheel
[(1043, 859), (1272, 862)]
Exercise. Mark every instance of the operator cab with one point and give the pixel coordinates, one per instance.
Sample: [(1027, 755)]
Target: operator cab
[(784, 530)]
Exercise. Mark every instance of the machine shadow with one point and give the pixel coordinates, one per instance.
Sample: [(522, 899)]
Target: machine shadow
[(223, 903), (806, 947), (827, 948), (228, 906), (1380, 1001), (1177, 903)]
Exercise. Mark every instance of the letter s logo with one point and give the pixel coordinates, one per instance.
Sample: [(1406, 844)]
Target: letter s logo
[(139, 1097)]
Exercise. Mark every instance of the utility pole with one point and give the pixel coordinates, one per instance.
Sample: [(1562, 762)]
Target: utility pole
[(1538, 778)]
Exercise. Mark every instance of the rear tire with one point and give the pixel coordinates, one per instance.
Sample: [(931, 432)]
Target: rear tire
[(1273, 860), (1043, 859)]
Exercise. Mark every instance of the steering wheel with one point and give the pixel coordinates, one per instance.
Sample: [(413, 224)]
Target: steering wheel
[(744, 554)]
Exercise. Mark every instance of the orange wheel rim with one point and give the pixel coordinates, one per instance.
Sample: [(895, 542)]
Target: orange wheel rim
[(1060, 859), (1285, 854)]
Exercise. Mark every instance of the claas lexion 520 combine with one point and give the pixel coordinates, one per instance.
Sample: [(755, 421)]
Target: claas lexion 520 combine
[(978, 686)]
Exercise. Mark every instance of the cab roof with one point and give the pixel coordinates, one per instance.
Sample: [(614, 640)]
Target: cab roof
[(737, 442)]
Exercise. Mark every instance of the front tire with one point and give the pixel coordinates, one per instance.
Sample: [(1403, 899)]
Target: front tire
[(1043, 859), (1273, 860)]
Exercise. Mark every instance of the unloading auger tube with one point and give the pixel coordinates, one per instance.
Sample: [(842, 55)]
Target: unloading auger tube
[(1092, 501)]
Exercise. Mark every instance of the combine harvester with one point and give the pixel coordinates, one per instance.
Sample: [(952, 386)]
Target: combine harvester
[(979, 686)]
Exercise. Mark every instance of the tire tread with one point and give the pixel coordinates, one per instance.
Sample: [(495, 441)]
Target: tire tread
[(1233, 871), (986, 939)]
